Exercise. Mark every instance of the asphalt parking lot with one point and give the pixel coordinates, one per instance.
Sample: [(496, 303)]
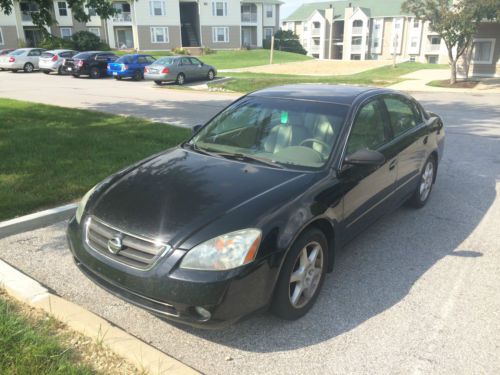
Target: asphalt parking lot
[(125, 97), (418, 292)]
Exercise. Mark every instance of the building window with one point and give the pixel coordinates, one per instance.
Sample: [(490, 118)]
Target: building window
[(219, 8), (95, 31), (436, 40), (63, 9), (269, 11), (376, 42), (355, 57), (159, 35), (92, 12), (316, 25), (66, 32), (414, 42), (416, 23), (357, 23), (482, 52), (412, 58), (432, 59), (356, 40), (157, 8), (1, 38), (220, 34), (268, 33)]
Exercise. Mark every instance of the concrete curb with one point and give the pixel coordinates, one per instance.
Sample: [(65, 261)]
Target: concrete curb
[(36, 220), (143, 356)]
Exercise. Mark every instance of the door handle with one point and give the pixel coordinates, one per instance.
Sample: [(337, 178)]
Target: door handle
[(393, 164)]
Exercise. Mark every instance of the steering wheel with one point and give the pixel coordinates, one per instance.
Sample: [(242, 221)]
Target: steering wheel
[(314, 140)]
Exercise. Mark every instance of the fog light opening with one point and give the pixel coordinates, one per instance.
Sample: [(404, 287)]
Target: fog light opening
[(203, 313)]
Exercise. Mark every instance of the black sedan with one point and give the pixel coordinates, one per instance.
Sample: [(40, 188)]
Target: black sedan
[(249, 213)]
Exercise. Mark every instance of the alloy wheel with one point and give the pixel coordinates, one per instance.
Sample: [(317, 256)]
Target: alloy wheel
[(180, 79), (28, 68), (306, 274), (426, 181), (210, 75)]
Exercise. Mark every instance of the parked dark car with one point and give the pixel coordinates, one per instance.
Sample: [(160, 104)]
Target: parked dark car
[(131, 66), (92, 63), (179, 69), (251, 210)]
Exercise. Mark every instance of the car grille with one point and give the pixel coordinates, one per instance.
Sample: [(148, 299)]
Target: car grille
[(136, 251)]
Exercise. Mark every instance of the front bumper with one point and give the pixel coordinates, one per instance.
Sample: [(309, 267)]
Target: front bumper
[(173, 293)]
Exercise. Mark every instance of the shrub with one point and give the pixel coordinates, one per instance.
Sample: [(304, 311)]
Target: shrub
[(53, 42), (87, 41), (180, 51), (208, 51), (286, 41)]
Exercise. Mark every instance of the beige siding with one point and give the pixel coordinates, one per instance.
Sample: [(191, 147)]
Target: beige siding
[(489, 30), (10, 39), (145, 44), (234, 38)]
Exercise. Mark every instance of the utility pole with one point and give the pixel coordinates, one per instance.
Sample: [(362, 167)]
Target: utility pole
[(272, 49)]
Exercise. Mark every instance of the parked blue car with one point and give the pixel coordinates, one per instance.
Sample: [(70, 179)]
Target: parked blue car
[(131, 66)]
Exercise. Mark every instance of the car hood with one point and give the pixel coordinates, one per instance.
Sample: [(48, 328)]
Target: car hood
[(174, 194)]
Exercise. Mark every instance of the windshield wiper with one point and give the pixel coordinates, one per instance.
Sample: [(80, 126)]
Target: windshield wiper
[(203, 151), (243, 157)]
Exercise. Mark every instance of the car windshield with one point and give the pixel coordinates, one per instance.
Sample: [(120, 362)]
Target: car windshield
[(283, 132), (19, 52), (165, 61), (125, 60)]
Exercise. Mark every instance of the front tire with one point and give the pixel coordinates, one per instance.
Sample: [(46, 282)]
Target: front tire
[(76, 75), (28, 68), (46, 71), (211, 75), (181, 79), (59, 70), (426, 181), (301, 276)]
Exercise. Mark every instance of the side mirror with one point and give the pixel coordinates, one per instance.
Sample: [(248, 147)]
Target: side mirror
[(365, 157), (197, 128)]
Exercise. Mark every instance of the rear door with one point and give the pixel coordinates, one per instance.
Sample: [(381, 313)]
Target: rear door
[(411, 139), (369, 188)]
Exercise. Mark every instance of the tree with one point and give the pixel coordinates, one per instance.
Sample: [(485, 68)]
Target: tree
[(455, 21), (44, 15), (286, 41)]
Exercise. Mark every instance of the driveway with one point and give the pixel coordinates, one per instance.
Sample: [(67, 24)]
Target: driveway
[(141, 99), (417, 292)]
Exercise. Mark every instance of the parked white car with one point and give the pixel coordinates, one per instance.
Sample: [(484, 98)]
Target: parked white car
[(21, 59), (51, 61)]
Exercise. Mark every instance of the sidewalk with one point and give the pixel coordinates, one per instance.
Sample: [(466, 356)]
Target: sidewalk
[(417, 81)]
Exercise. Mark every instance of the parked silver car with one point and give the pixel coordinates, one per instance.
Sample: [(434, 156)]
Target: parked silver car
[(21, 59), (51, 61), (179, 69)]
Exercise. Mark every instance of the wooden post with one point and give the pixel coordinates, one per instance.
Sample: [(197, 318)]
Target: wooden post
[(272, 50)]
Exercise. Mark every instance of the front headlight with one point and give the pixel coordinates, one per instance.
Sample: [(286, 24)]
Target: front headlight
[(224, 252), (83, 203)]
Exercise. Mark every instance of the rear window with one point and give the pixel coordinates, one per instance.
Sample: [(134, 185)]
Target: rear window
[(125, 60), (165, 60), (18, 52), (82, 56), (47, 54)]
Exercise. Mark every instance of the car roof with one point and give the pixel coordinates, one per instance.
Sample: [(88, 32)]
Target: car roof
[(340, 94), (59, 50)]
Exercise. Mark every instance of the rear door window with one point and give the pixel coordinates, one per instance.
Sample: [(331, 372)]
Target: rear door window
[(402, 113)]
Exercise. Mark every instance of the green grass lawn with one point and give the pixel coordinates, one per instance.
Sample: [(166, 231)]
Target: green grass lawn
[(31, 347), (383, 76), (240, 58), (52, 155)]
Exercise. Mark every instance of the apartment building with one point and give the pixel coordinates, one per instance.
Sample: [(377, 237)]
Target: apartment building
[(379, 30), (155, 24)]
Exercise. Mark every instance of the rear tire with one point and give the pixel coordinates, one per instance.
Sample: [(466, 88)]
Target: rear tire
[(159, 83), (137, 75), (95, 73), (76, 75), (28, 68), (302, 276), (46, 72), (181, 79), (118, 78), (424, 188), (14, 70)]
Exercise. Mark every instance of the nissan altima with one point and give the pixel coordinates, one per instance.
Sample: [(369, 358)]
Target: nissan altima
[(249, 213)]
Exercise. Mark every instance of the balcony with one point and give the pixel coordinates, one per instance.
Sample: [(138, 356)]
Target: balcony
[(434, 48), (249, 17), (357, 30), (122, 17), (314, 48), (356, 48), (315, 32)]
